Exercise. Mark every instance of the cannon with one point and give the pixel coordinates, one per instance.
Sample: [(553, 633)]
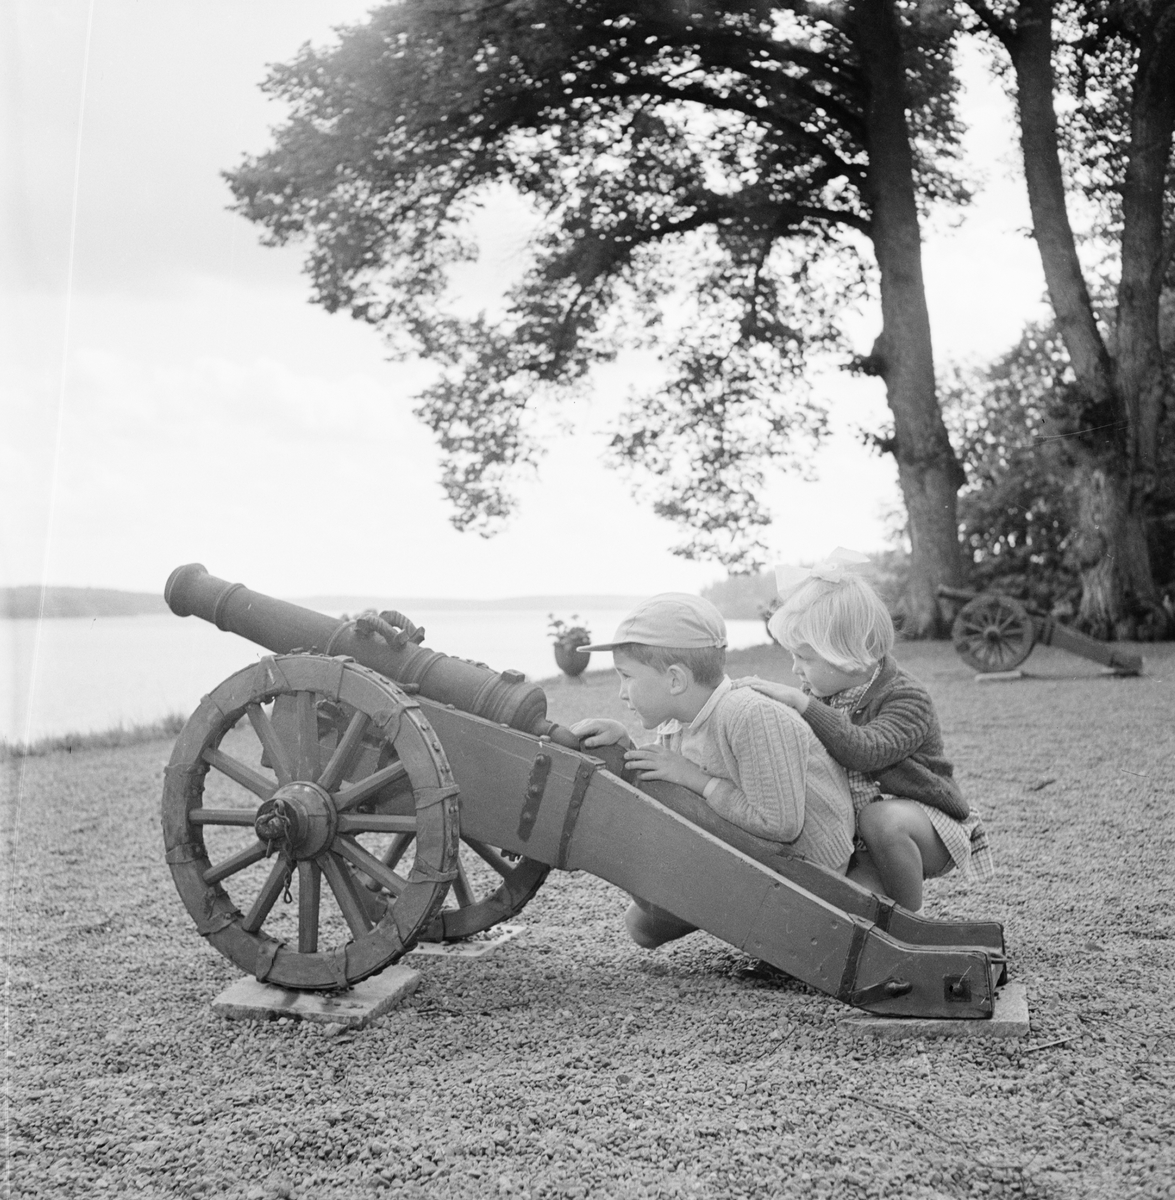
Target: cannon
[(389, 794), (992, 632)]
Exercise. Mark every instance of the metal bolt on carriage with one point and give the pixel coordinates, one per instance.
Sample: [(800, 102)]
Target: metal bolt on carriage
[(390, 794)]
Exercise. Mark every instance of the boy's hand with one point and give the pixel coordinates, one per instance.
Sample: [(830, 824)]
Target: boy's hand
[(790, 696), (599, 731), (655, 762)]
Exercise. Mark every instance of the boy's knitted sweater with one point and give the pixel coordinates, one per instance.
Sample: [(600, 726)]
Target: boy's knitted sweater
[(893, 736), (771, 776)]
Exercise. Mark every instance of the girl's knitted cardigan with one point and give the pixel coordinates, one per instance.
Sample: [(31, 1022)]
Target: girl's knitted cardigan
[(893, 736)]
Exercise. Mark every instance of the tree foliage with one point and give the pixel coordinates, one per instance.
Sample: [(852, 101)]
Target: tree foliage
[(698, 172), (1012, 424), (1097, 60), (1015, 514)]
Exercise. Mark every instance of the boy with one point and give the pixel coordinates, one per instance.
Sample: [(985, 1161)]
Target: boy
[(754, 762)]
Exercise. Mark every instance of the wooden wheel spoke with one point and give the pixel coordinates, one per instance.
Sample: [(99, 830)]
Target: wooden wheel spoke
[(348, 797), (306, 736), (254, 781), (267, 897), (309, 896), (340, 760), (274, 747), (355, 854), (397, 849), (353, 822), (462, 889), (491, 856), (236, 862), (222, 816), (342, 883)]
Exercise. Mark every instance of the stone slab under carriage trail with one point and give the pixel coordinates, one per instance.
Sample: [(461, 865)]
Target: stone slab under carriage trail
[(571, 1063)]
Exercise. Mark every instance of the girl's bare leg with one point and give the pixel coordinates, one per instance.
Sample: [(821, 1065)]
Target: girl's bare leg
[(864, 871), (903, 847)]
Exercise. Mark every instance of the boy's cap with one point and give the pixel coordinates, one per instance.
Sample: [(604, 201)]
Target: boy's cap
[(674, 619)]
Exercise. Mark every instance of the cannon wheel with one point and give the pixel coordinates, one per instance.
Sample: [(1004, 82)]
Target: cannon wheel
[(993, 633), (466, 912), (479, 899), (318, 811)]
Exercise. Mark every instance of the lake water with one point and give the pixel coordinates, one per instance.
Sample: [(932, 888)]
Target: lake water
[(80, 675)]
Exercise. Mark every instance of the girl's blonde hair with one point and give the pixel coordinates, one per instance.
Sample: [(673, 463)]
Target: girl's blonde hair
[(845, 623)]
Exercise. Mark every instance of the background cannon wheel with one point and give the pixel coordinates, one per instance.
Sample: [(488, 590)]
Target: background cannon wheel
[(993, 633), (273, 808), (490, 887)]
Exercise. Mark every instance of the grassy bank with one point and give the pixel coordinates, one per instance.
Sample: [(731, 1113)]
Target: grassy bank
[(69, 743)]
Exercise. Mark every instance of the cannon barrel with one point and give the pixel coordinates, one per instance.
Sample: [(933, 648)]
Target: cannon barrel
[(501, 696)]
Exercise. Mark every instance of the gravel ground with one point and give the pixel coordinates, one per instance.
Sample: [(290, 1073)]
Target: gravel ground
[(572, 1064)]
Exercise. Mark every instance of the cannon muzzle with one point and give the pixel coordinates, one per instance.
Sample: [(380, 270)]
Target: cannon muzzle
[(284, 628)]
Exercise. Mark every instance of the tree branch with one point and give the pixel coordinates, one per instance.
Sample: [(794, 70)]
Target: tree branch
[(997, 26), (640, 85)]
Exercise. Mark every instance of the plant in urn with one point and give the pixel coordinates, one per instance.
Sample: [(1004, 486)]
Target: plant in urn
[(567, 637)]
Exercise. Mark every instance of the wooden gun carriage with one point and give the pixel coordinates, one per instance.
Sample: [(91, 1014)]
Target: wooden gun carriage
[(992, 632), (433, 796)]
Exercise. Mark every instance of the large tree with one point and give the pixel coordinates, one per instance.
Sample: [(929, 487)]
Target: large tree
[(718, 181), (1113, 63)]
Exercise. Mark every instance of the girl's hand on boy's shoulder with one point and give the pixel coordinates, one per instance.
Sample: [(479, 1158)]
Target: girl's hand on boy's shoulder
[(790, 696), (600, 731)]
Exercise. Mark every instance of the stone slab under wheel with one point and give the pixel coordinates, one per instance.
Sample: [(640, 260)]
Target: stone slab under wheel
[(998, 676), (467, 950), (354, 1007), (1008, 1020)]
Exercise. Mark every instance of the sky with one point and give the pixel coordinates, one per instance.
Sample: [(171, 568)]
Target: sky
[(168, 393)]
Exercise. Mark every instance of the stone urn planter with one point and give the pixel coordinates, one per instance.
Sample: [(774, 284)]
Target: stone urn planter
[(566, 638)]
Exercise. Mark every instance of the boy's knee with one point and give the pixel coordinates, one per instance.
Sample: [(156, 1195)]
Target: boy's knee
[(639, 928), (650, 926)]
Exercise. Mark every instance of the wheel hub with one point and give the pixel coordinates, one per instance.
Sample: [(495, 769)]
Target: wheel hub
[(299, 817)]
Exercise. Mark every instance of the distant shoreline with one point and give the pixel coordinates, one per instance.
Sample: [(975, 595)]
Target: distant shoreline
[(29, 601), (32, 601)]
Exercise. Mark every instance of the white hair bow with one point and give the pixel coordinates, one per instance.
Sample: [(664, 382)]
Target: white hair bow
[(832, 569)]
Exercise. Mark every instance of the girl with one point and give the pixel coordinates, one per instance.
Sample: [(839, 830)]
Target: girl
[(879, 723)]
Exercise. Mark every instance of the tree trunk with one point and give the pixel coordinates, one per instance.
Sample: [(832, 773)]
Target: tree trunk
[(1109, 547), (1114, 438), (1140, 376), (1032, 57), (928, 471)]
